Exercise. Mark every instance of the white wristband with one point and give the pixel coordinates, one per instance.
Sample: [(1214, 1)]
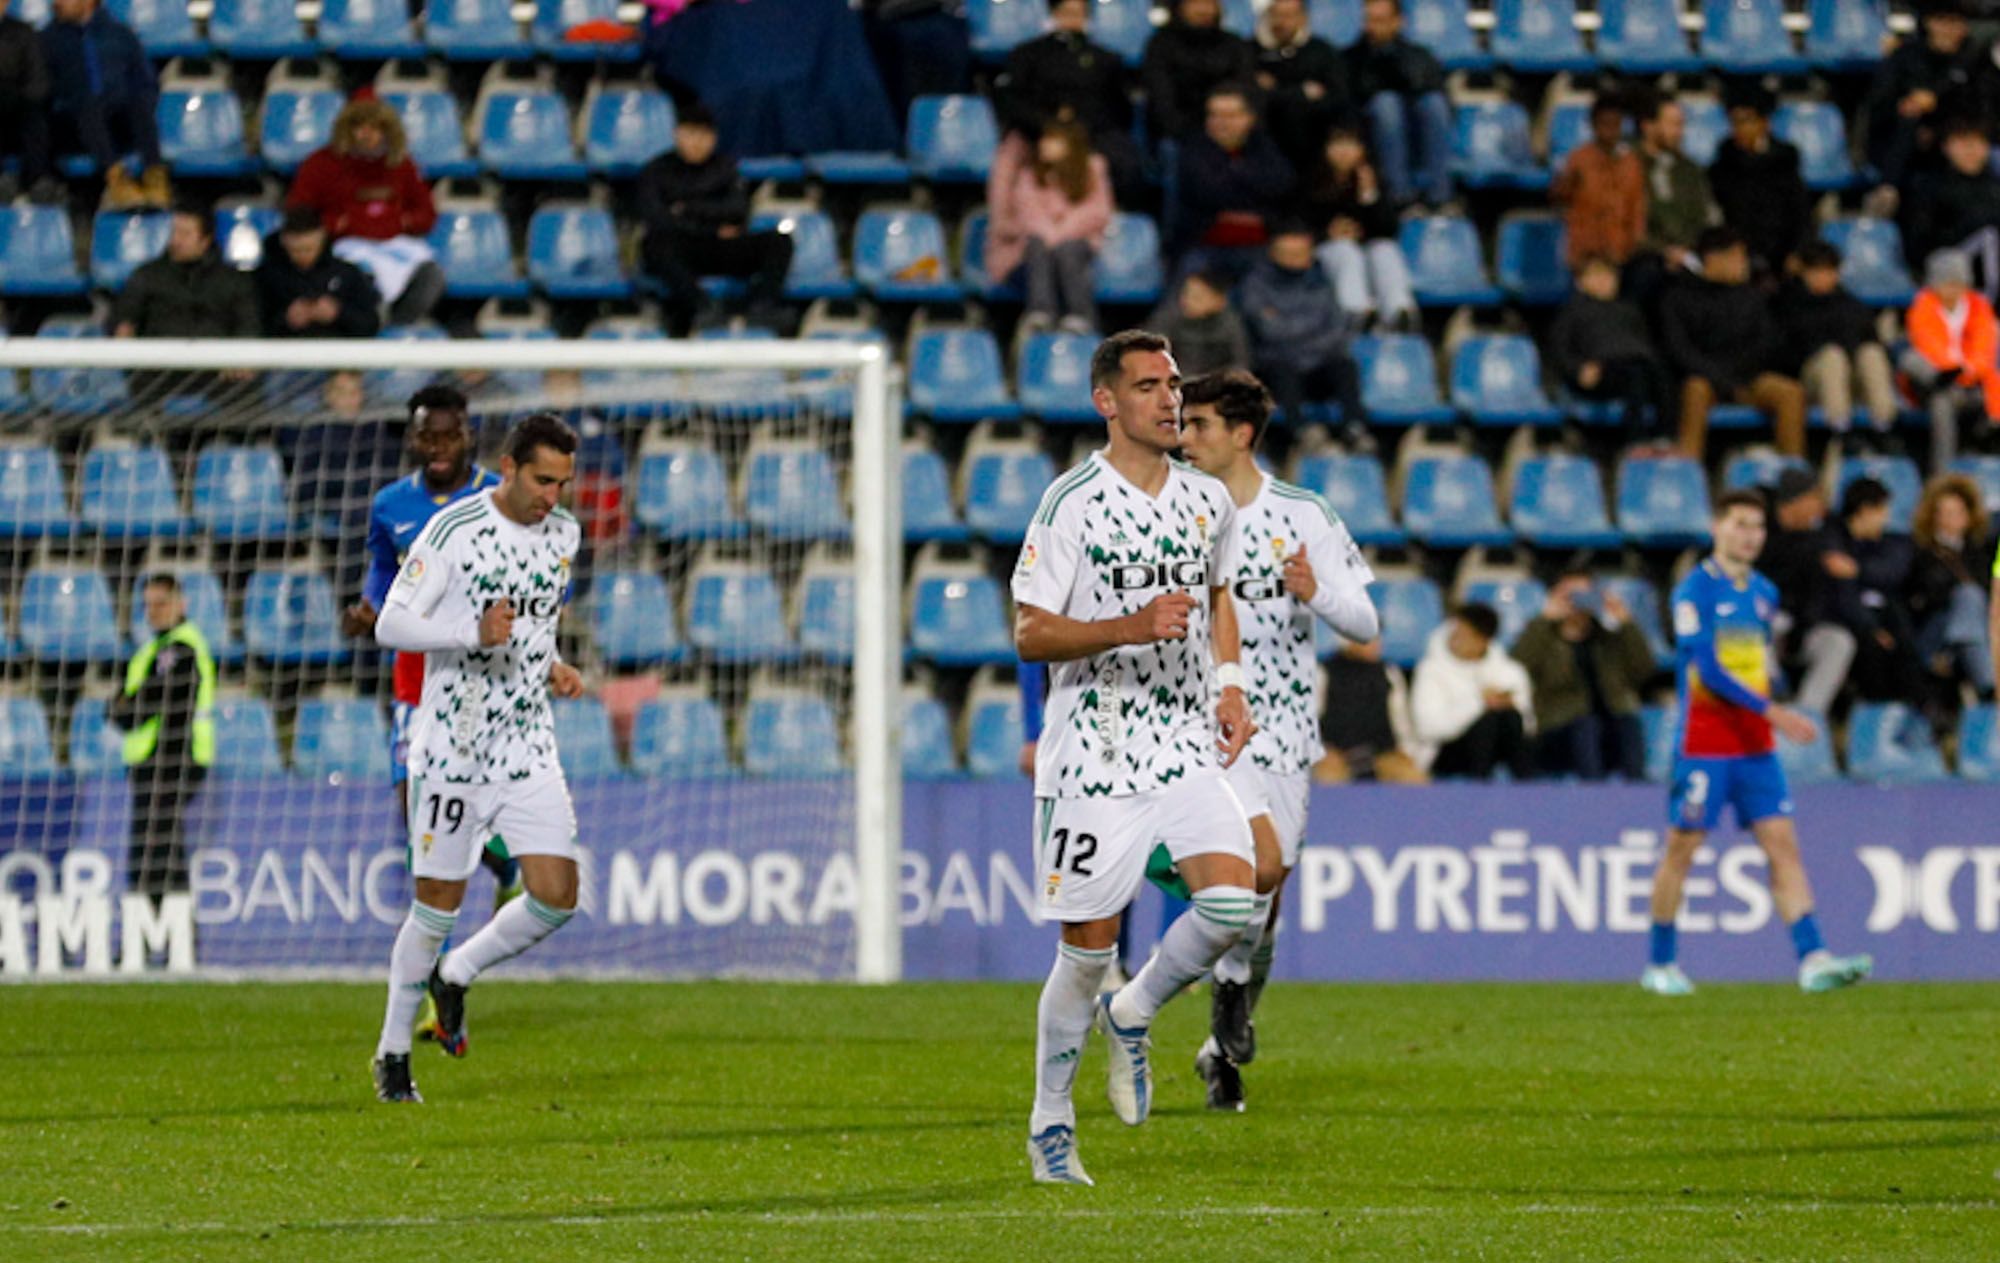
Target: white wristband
[(1228, 675)]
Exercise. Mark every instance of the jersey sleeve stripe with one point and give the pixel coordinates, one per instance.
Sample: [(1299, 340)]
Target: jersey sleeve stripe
[(1053, 499), (441, 529), (1290, 492)]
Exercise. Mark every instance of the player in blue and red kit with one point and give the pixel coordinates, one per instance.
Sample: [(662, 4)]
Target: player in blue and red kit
[(1724, 753)]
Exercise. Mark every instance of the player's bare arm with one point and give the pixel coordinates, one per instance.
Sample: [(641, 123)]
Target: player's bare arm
[(1232, 709), (1042, 636), (358, 619)]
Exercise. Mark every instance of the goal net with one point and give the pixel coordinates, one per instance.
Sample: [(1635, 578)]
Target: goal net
[(734, 610)]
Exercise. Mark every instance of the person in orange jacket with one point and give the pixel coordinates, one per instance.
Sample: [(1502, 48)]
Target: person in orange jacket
[(1954, 356)]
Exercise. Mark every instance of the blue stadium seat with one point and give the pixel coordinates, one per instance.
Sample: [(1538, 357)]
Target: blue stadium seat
[(972, 264), (25, 748), (1124, 27), (826, 615), (679, 735), (525, 134), (999, 25), (1498, 381), (291, 618), (1516, 601), (1978, 751), (1411, 610), (683, 493), (584, 742), (1569, 130), (859, 167), (573, 253), (364, 30), (1399, 381), (203, 597), (790, 733), (1539, 37), (1707, 125), (926, 740), (1532, 259), (1559, 503), (296, 121), (817, 270), (1983, 470), (474, 30), (164, 27), (128, 493), (1643, 600), (246, 739), (1898, 473), (240, 229), (956, 376), (994, 736), (239, 493), (928, 513), (75, 391), (1055, 377), (952, 138), (554, 17), (401, 383), (1128, 266), (632, 620), (959, 620), (1759, 469), (1359, 493), (37, 252), (201, 133), (95, 747), (33, 501), (1871, 260), (1003, 487), (1338, 22), (1845, 35), (120, 241), (1448, 503), (791, 491), (435, 131), (340, 740), (739, 393), (1239, 18), (12, 397), (258, 30), (626, 128), (1748, 37), (1663, 503), (1445, 28), (1491, 148), (1658, 726), (1816, 128), (66, 616), (900, 257), (472, 246), (1446, 269), (736, 615), (1644, 37), (1812, 763), (1890, 744)]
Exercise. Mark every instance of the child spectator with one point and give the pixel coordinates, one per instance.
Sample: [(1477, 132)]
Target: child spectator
[(1207, 334), (1342, 199), (1603, 189), (1049, 207), (696, 208), (1602, 350), (1830, 342), (1299, 336), (1953, 344)]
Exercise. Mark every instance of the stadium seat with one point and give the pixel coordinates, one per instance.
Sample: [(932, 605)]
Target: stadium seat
[(296, 121), (246, 739), (737, 393), (1748, 37), (203, 597), (1448, 503), (956, 376), (1569, 130), (401, 383), (554, 19), (928, 513), (474, 30), (1658, 726), (435, 131), (900, 257), (1124, 27), (952, 139), (1491, 148), (1898, 473), (240, 229), (367, 30), (1516, 601), (859, 167), (66, 617), (683, 493), (1128, 265), (1055, 377), (958, 619), (584, 742), (624, 128), (239, 493), (1357, 490), (1558, 502), (1003, 487), (120, 241), (1759, 468), (1816, 128), (926, 738), (790, 733), (1643, 600), (1978, 749), (736, 615), (573, 253), (95, 747), (1532, 258), (1845, 35), (817, 270), (1539, 37), (290, 617), (1644, 37), (201, 133), (1890, 744), (825, 603), (525, 134), (128, 492), (164, 27), (1338, 22), (1812, 763), (1663, 502), (75, 391), (37, 252), (999, 25), (1239, 18), (33, 502), (1707, 125), (1984, 470), (1446, 269), (472, 246), (1871, 260), (1444, 27), (1498, 381), (972, 263), (1411, 609), (258, 30), (679, 734), (1399, 381), (13, 398), (632, 620), (994, 735), (25, 748), (340, 740), (791, 491)]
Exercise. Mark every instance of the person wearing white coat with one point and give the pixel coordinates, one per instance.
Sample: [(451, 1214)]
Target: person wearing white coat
[(1472, 705)]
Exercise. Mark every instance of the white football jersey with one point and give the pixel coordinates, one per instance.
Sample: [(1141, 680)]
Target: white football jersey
[(1140, 716), (485, 712)]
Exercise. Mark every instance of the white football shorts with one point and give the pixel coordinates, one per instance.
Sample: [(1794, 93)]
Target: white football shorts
[(1091, 853), (1281, 796), (450, 822)]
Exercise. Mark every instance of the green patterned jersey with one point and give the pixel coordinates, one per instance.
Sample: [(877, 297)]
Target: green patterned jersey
[(1279, 659), (485, 712), (1099, 548)]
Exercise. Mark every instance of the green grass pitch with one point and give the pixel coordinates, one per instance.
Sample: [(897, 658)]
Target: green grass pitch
[(762, 1122)]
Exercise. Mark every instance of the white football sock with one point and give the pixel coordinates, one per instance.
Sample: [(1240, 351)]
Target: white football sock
[(1062, 1021), (1260, 964), (1234, 965), (513, 930), (424, 930), (1187, 950)]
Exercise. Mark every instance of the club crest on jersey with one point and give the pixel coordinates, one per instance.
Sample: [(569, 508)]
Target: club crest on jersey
[(1277, 548), (1201, 525), (1054, 886)]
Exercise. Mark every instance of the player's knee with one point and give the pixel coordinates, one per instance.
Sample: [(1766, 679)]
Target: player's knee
[(445, 896)]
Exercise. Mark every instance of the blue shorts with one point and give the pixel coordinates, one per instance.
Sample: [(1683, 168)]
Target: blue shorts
[(400, 716), (1754, 785)]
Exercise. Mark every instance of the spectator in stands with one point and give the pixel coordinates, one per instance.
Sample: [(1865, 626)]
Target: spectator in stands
[(376, 206), (1722, 341), (1946, 594), (1831, 343), (188, 292), (1186, 60), (1300, 337), (1802, 559), (1586, 661), (1342, 200), (1401, 86), (1049, 202), (104, 100), (308, 293), (1232, 183), (1366, 721), (1957, 205), (1472, 705), (1304, 80), (1757, 182), (24, 111), (1943, 74), (696, 209), (1954, 341), (339, 457), (1065, 76), (1603, 189), (1207, 334), (921, 48), (1870, 604), (169, 744), (1679, 204), (1602, 350)]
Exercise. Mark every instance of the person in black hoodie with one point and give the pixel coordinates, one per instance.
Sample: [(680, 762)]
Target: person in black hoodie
[(1602, 350), (188, 292), (1187, 58), (696, 209), (1723, 342), (24, 109), (1304, 80), (1870, 603), (1341, 199), (1300, 339), (1401, 87), (1064, 76), (308, 292), (1232, 182), (1757, 182), (1831, 344), (1942, 74), (1957, 206), (1802, 559)]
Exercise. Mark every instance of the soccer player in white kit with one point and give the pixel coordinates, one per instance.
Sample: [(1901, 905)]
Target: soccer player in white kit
[(479, 596), (1123, 588), (1298, 564)]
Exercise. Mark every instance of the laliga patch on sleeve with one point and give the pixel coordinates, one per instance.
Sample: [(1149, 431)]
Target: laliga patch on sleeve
[(411, 574), (1687, 619), (1026, 566)]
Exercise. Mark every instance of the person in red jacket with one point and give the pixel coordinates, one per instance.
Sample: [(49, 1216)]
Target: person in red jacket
[(376, 206), (1954, 342)]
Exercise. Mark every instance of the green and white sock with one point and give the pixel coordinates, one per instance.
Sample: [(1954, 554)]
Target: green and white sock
[(1187, 951), (424, 931), (513, 930)]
